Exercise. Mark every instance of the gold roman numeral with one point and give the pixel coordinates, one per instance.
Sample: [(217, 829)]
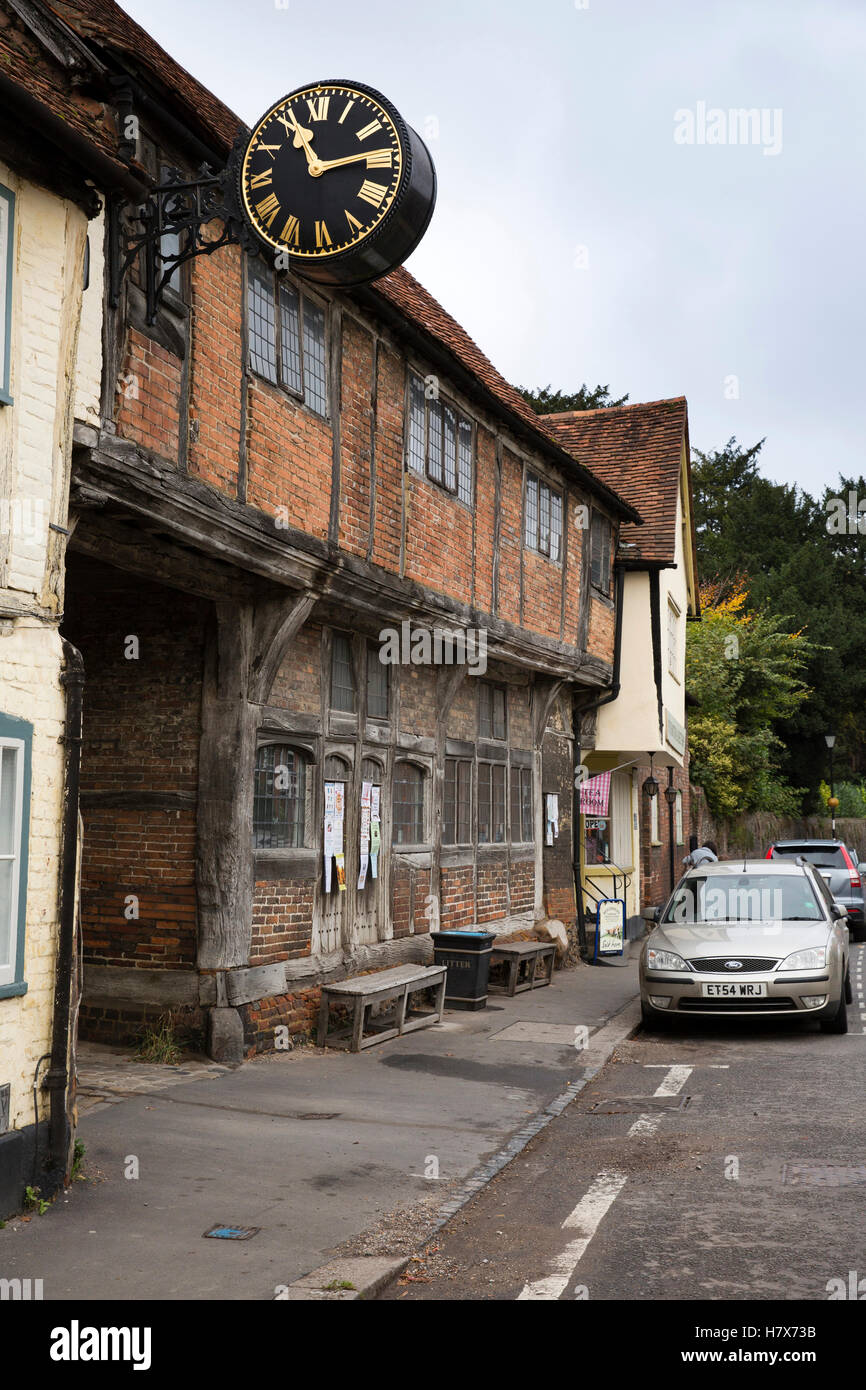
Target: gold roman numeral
[(289, 234), (318, 108), (372, 192), (259, 180), (380, 159), (368, 130), (268, 208), (346, 109), (353, 222), (322, 236), (271, 149)]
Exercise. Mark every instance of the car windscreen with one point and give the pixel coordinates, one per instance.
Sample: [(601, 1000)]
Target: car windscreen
[(744, 898), (823, 856)]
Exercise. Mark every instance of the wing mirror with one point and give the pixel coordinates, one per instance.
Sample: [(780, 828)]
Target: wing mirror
[(838, 912), (651, 914)]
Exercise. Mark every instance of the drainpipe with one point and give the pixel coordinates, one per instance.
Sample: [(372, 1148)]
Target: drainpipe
[(577, 712), (57, 1078)]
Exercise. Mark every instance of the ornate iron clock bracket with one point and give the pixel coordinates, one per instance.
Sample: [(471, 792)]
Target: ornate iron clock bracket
[(168, 229)]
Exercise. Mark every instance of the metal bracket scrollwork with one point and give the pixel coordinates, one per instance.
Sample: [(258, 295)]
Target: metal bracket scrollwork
[(168, 229)]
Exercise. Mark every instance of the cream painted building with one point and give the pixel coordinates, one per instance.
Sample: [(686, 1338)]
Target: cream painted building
[(643, 452), (51, 310)]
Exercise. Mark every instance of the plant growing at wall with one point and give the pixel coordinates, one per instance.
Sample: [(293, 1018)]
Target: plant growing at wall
[(158, 1043)]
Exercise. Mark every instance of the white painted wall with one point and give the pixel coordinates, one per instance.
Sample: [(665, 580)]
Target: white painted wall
[(35, 452)]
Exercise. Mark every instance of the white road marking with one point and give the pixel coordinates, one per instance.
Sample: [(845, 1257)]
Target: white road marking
[(585, 1218), (674, 1082), (646, 1124)]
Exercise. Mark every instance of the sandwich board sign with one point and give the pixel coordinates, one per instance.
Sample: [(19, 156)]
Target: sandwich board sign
[(610, 934)]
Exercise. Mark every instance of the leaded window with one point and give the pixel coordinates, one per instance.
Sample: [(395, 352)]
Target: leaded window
[(279, 797), (491, 803), (439, 441), (542, 525), (342, 674), (491, 710), (457, 808), (407, 813), (377, 685), (286, 328), (600, 553), (521, 805)]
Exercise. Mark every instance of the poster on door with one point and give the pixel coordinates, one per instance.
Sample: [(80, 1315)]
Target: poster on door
[(375, 830), (366, 799), (335, 803)]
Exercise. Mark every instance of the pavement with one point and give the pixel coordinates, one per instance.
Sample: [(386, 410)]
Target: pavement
[(721, 1161), (321, 1154)]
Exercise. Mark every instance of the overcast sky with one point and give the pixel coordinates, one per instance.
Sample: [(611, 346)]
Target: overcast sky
[(595, 222)]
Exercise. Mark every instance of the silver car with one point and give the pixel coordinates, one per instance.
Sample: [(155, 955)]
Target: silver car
[(748, 938)]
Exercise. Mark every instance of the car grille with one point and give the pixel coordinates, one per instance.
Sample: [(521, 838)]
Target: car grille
[(715, 965), (721, 1006)]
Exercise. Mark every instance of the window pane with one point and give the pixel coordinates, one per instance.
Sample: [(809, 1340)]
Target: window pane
[(600, 555), (515, 816), (483, 803), (417, 423), (342, 675), (278, 798), (544, 518), (377, 685), (434, 441), (8, 849), (484, 713), (315, 389), (464, 803), (449, 809), (290, 337), (555, 526), (498, 773), (260, 322), (464, 462), (531, 533), (408, 813), (450, 445), (8, 792), (498, 712), (526, 803)]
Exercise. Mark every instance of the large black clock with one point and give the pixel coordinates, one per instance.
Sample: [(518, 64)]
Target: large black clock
[(333, 178)]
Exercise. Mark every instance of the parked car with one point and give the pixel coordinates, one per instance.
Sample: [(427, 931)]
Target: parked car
[(840, 869), (747, 939)]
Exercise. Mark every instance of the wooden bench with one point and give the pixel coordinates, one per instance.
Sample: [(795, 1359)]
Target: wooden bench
[(382, 987), (522, 960)]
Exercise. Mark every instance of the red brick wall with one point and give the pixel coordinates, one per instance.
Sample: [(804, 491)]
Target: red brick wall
[(510, 537), (148, 396), (142, 725), (216, 368), (491, 900), (282, 920), (296, 684), (391, 386), (289, 459), (457, 897), (523, 885)]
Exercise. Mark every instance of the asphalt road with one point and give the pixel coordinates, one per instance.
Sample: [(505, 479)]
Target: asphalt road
[(715, 1163)]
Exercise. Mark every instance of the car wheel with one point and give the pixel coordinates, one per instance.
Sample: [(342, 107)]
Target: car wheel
[(849, 993), (837, 1022), (653, 1020)]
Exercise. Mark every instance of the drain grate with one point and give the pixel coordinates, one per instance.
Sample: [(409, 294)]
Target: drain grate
[(231, 1232)]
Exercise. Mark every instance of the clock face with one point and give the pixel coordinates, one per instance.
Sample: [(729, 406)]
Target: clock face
[(322, 170)]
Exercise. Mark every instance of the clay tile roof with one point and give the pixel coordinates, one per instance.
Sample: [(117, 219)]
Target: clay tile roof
[(107, 26), (415, 303), (635, 449)]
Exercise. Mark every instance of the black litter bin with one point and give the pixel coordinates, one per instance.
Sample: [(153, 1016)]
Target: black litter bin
[(467, 957)]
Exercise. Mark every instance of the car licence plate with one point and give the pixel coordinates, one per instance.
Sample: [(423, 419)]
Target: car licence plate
[(734, 989)]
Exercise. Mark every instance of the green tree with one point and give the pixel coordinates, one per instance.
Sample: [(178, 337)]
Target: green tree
[(744, 668), (547, 402)]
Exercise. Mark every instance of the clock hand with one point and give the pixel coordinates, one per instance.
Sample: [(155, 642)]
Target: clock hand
[(301, 140), (349, 159)]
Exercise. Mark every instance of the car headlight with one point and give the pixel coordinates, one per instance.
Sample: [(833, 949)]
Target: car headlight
[(664, 960), (811, 959)]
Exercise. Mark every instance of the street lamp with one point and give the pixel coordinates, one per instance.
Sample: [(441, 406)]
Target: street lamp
[(830, 740)]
